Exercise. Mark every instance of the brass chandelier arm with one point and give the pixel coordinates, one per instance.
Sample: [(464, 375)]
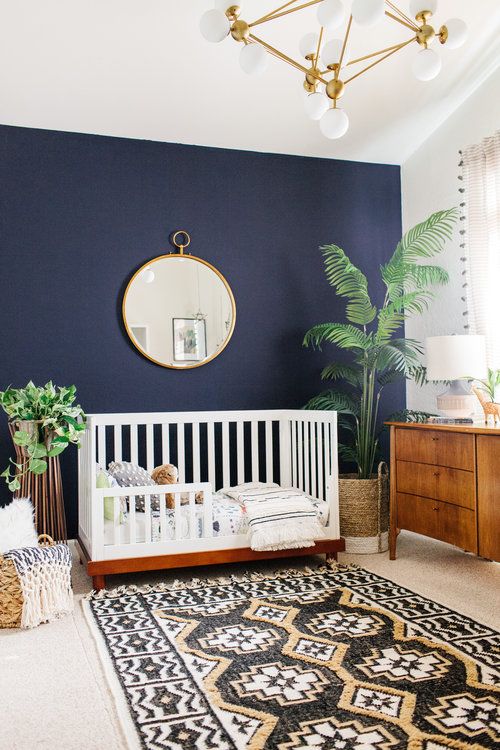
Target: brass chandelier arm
[(262, 19), (400, 13), (267, 18), (392, 52), (374, 54), (400, 20), (286, 59), (339, 66), (316, 57)]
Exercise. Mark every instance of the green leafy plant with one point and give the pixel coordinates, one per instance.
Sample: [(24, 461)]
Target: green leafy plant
[(489, 385), (379, 354), (53, 421)]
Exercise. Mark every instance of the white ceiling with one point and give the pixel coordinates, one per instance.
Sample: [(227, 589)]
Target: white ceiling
[(140, 69)]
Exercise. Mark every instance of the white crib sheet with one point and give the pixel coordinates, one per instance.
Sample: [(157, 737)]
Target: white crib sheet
[(228, 518)]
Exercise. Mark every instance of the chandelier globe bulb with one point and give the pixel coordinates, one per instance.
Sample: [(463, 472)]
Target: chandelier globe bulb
[(214, 25)]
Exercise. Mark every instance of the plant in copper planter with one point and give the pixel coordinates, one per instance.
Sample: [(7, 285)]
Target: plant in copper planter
[(43, 421), (379, 355)]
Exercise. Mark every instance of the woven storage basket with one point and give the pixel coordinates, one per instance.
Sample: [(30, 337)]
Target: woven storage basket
[(364, 512), (11, 595)]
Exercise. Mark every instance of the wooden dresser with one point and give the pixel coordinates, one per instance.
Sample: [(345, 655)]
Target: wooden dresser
[(445, 483)]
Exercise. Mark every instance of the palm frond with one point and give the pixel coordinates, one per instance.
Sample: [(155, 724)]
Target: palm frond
[(334, 401), (348, 453), (392, 316), (340, 371), (349, 282), (410, 415), (344, 335)]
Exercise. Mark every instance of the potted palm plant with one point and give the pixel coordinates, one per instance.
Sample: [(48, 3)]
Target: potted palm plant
[(379, 355), (43, 421)]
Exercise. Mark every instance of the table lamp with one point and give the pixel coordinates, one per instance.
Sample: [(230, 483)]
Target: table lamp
[(455, 358)]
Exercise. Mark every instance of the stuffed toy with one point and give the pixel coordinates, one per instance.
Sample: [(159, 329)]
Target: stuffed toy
[(168, 474)]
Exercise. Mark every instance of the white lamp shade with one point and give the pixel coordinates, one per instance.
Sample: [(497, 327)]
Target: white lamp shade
[(330, 54), (316, 105), (368, 12), (417, 6), (426, 65), (214, 25), (331, 13), (334, 123), (456, 357), (309, 44), (253, 59), (457, 33)]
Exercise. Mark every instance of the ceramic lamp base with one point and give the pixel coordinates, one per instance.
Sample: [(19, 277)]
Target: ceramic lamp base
[(457, 401)]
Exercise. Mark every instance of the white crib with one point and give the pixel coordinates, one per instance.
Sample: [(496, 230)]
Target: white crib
[(211, 450)]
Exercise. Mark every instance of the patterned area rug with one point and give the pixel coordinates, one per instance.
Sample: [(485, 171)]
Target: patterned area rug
[(328, 658)]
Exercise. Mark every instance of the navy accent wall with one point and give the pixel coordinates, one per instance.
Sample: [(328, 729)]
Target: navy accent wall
[(79, 213)]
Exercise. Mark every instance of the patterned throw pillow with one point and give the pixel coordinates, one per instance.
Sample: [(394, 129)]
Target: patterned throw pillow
[(131, 475)]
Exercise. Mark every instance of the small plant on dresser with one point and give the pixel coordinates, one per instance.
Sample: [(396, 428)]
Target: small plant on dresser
[(379, 355), (43, 421)]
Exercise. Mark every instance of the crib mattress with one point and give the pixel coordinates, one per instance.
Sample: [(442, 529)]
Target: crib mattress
[(228, 517)]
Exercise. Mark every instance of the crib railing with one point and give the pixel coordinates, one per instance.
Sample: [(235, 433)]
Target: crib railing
[(211, 450)]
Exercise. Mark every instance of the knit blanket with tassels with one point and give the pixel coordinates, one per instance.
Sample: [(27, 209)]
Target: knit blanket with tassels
[(45, 579), (280, 519)]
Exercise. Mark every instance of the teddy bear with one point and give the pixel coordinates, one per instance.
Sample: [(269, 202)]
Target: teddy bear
[(169, 474)]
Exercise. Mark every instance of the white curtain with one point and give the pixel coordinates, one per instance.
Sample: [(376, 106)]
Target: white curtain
[(481, 181)]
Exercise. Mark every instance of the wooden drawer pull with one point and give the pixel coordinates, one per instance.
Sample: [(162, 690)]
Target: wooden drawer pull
[(436, 473), (435, 438), (436, 507)]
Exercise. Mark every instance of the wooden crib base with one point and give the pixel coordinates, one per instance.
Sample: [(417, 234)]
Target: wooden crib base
[(99, 569)]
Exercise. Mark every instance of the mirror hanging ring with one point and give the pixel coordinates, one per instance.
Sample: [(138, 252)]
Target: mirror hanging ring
[(179, 310)]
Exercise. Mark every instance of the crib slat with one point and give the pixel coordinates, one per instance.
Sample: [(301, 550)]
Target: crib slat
[(147, 518), (192, 516), (181, 453), (117, 432), (226, 477), (208, 526), (306, 457), (116, 520), (150, 453), (328, 462), (163, 518), (131, 521), (255, 451), (211, 453), (101, 446), (293, 427), (319, 451), (300, 454), (196, 452), (165, 444), (314, 486), (269, 451), (240, 453), (134, 452), (177, 515)]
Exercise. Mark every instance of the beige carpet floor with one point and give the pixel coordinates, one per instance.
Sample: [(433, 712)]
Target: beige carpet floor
[(52, 690)]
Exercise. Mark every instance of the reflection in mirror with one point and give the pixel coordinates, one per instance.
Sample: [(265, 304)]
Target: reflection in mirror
[(179, 311)]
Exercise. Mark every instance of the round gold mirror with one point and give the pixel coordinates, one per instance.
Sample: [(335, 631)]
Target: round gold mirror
[(179, 310)]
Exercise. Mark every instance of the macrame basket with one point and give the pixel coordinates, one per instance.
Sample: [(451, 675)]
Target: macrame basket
[(364, 512), (11, 595)]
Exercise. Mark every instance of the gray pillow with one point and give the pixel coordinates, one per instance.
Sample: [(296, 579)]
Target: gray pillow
[(131, 475)]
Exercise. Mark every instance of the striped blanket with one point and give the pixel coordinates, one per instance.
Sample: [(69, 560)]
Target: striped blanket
[(278, 518), (45, 578)]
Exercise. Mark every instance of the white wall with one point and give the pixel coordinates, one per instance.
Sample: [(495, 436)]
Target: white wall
[(430, 183)]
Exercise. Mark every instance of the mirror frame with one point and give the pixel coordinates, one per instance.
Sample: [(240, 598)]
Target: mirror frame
[(184, 256)]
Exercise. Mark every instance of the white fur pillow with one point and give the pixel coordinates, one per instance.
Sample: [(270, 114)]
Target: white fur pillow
[(17, 528)]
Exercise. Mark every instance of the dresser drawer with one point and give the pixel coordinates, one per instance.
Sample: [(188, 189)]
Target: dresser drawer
[(443, 521), (453, 449), (450, 485)]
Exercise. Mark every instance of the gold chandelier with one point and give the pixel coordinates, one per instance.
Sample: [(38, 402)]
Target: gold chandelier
[(325, 64)]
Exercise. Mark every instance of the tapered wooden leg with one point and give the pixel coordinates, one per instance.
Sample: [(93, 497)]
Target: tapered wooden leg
[(99, 582), (331, 556)]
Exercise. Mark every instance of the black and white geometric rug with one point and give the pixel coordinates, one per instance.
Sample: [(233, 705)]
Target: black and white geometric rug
[(332, 658)]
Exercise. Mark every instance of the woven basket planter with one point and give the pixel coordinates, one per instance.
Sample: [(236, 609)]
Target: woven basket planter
[(364, 512), (11, 595)]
